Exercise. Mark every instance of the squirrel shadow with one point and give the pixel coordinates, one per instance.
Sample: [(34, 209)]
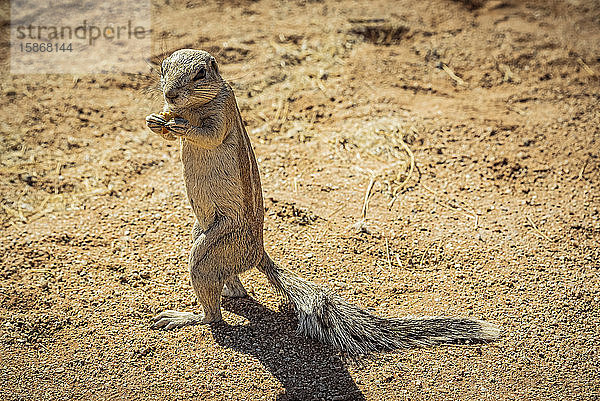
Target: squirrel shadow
[(307, 370)]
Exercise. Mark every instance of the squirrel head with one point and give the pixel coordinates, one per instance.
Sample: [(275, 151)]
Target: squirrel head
[(189, 78)]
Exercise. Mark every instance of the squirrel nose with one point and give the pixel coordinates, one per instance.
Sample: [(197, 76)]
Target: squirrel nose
[(171, 94)]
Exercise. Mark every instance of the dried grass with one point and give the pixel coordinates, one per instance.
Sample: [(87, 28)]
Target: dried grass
[(381, 151)]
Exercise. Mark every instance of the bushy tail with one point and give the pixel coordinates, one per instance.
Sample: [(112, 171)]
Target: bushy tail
[(326, 317)]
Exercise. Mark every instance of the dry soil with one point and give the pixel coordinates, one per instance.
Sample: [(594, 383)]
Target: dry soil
[(497, 101)]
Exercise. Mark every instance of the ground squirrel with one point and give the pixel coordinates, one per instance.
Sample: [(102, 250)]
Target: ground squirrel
[(224, 190)]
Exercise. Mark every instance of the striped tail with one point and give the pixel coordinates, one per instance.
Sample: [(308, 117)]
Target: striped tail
[(329, 319)]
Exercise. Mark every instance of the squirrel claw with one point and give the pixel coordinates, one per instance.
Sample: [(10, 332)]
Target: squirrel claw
[(155, 122), (171, 319), (177, 126)]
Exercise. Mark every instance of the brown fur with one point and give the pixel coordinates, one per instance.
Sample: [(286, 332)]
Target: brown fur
[(223, 186), (222, 183)]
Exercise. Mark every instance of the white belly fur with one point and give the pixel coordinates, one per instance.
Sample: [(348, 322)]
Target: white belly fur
[(212, 181)]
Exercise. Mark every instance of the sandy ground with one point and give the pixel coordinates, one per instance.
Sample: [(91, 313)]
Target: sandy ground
[(498, 220)]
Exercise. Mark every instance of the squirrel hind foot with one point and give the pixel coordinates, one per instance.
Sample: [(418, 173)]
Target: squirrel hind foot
[(171, 319)]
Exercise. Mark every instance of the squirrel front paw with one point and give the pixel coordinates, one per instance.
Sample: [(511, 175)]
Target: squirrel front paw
[(156, 122), (178, 126)]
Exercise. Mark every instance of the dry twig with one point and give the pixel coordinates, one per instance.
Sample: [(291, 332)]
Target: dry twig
[(387, 251), (328, 222), (586, 67), (367, 197), (537, 230), (452, 75), (425, 253), (411, 168), (582, 172), (468, 213)]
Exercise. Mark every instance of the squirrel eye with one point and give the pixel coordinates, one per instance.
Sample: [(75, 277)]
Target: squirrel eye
[(201, 74)]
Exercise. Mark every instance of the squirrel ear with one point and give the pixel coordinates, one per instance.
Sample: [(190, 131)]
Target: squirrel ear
[(213, 64)]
